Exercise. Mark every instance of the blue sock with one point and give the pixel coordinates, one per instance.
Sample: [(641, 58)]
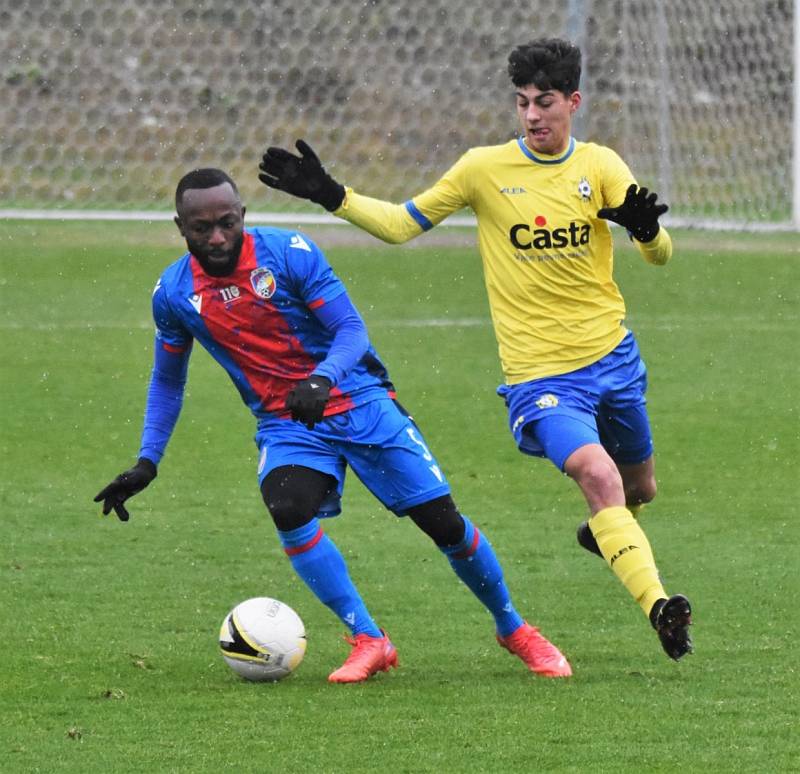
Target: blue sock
[(317, 560), (475, 562)]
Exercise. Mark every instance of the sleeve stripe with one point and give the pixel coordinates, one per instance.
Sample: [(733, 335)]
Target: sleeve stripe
[(423, 222), (316, 303)]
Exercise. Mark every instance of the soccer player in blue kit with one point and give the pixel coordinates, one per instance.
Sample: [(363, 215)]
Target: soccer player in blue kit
[(269, 309), (574, 380)]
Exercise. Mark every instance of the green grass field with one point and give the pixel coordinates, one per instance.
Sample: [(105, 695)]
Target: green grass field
[(112, 663)]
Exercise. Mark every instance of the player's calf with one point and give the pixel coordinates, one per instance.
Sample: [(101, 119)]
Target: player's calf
[(586, 538)]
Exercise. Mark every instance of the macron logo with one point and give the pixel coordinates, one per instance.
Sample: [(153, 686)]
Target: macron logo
[(300, 243), (196, 301)]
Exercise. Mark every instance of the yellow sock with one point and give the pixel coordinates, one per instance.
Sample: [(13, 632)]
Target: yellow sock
[(626, 549)]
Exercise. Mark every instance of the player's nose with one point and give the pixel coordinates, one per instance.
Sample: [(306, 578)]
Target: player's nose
[(217, 236), (532, 114)]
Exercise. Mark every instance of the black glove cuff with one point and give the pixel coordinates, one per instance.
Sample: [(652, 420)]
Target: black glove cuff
[(646, 233), (147, 466), (332, 196)]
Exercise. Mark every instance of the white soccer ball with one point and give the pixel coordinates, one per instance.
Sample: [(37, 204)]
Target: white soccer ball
[(262, 639)]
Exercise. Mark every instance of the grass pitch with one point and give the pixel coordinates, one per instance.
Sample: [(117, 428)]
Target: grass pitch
[(111, 661)]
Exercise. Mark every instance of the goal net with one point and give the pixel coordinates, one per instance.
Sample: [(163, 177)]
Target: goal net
[(106, 104)]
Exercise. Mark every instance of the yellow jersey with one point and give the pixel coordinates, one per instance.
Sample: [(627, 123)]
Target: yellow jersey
[(547, 258)]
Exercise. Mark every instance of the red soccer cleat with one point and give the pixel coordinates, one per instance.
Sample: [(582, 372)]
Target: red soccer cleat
[(369, 656), (539, 654)]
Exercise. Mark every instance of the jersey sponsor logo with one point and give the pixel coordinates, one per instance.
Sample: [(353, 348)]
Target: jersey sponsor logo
[(516, 189), (300, 243), (584, 189), (523, 237), (263, 282), (547, 401), (196, 300)]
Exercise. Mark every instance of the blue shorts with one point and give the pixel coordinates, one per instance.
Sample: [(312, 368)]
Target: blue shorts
[(378, 440), (603, 402)]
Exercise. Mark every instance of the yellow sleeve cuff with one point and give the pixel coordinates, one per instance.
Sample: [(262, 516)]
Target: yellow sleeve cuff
[(659, 250), (384, 220)]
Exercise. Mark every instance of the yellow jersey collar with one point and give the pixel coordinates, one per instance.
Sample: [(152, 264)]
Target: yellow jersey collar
[(546, 159)]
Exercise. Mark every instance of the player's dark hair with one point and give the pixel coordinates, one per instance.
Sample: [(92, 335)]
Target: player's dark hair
[(546, 63), (208, 177)]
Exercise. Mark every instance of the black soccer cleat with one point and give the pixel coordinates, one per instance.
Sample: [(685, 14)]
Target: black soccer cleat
[(671, 619), (586, 539)]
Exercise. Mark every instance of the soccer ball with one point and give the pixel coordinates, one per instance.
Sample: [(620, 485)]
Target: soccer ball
[(262, 639)]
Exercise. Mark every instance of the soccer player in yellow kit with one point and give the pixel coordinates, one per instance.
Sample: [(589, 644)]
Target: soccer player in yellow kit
[(574, 380)]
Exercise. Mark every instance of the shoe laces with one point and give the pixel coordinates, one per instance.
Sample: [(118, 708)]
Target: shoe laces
[(362, 646), (533, 643)]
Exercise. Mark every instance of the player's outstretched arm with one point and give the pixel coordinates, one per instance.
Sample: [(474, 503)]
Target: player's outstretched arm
[(125, 485), (638, 213), (302, 176), (305, 177)]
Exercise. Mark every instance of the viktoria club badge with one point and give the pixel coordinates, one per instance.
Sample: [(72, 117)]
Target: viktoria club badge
[(263, 282)]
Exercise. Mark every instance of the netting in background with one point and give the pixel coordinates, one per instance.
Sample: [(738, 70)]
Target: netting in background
[(107, 104)]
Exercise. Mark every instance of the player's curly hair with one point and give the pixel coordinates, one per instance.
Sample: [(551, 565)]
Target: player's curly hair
[(546, 63), (208, 177)]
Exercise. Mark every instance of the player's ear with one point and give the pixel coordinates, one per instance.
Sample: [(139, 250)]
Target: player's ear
[(179, 224), (244, 210), (575, 101)]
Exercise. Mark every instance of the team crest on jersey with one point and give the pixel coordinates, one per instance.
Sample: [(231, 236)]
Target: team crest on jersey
[(584, 189), (263, 282), (547, 401)]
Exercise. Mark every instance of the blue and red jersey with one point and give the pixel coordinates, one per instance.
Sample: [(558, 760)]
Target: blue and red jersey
[(279, 317)]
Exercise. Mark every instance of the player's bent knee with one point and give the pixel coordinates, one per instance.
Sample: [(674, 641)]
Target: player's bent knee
[(595, 474), (440, 520), (293, 495), (642, 492), (288, 515)]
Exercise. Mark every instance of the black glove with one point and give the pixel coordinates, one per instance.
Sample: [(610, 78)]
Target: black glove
[(308, 399), (302, 176), (126, 485), (639, 213)]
